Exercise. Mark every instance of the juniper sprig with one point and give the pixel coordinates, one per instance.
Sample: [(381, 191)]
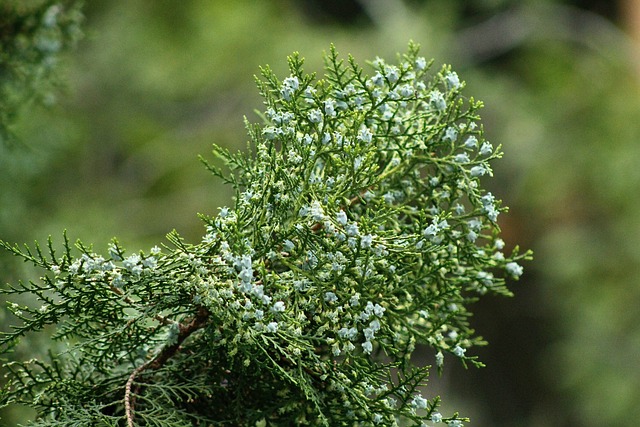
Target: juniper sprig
[(359, 230)]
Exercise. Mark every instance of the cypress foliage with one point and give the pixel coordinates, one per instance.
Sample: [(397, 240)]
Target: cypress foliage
[(359, 230)]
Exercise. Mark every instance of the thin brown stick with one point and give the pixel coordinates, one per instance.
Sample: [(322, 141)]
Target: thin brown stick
[(128, 399), (198, 322)]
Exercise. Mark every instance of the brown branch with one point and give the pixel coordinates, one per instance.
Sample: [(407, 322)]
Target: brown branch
[(185, 330), (128, 399), (196, 323)]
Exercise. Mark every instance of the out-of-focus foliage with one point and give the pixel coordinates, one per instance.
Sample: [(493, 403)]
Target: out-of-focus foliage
[(584, 124), (568, 100), (154, 84), (32, 35)]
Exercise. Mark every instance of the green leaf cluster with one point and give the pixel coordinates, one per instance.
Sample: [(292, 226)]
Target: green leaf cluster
[(359, 230)]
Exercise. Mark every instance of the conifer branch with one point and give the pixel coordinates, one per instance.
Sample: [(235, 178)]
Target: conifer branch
[(359, 228)]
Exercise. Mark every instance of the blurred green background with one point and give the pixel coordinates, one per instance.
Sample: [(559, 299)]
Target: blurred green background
[(154, 83)]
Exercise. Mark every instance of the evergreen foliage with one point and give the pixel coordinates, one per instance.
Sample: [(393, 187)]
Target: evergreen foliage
[(32, 36), (359, 231)]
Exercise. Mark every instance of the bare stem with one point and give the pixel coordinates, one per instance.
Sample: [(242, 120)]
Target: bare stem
[(198, 321), (128, 398)]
